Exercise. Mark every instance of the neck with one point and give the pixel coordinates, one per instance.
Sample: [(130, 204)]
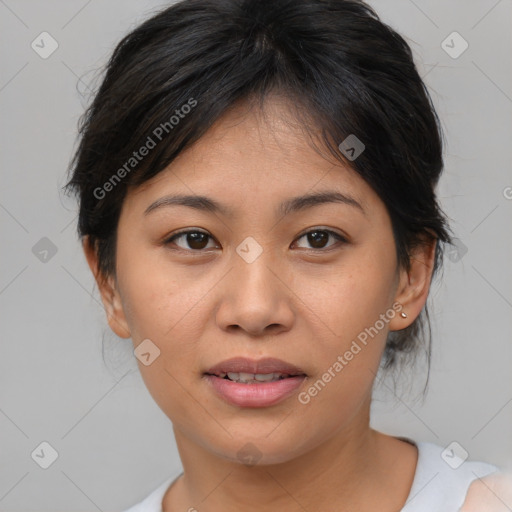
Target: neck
[(339, 470)]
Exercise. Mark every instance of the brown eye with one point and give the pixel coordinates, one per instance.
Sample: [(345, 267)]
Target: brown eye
[(318, 238), (192, 240)]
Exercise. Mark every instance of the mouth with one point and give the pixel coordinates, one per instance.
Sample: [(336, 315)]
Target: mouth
[(248, 371), (254, 383), (254, 378)]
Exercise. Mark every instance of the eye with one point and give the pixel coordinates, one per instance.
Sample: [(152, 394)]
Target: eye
[(196, 240), (318, 238)]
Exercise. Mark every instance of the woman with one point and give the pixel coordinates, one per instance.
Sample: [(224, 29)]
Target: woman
[(257, 204)]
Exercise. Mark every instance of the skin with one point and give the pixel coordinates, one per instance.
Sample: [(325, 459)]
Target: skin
[(492, 493), (300, 302)]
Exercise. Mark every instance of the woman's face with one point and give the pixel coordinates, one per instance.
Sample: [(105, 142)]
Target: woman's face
[(251, 283)]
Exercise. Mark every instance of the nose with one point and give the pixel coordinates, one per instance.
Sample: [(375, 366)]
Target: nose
[(255, 298)]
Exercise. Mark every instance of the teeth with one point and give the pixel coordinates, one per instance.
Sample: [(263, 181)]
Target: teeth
[(266, 377), (245, 377), (254, 377)]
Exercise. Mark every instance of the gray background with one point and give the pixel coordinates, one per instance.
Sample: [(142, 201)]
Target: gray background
[(114, 444)]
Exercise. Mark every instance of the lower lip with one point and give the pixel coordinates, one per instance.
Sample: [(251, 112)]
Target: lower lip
[(262, 394)]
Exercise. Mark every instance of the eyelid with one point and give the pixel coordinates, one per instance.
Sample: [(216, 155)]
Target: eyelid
[(321, 228), (185, 231)]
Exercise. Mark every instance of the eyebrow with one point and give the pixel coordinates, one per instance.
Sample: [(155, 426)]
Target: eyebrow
[(291, 205)]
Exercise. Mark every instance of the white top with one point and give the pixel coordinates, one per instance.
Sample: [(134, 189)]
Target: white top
[(437, 484)]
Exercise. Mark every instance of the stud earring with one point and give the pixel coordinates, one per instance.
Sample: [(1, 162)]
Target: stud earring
[(403, 315)]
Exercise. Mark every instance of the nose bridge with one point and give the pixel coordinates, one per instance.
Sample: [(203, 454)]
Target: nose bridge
[(253, 298), (252, 270)]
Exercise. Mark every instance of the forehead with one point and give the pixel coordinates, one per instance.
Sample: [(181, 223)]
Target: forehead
[(251, 153)]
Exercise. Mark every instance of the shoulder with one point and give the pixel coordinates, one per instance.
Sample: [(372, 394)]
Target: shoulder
[(153, 502), (443, 477), (492, 493)]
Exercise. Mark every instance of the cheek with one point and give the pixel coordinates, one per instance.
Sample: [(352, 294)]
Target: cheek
[(354, 303), (169, 311), (349, 296), (348, 354), (159, 299)]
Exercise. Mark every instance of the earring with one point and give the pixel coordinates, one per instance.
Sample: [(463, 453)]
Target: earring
[(403, 315)]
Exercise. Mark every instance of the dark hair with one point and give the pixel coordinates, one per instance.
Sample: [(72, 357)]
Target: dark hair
[(343, 70)]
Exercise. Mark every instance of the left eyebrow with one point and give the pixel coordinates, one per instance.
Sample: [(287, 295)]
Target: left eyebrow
[(287, 207), (309, 200)]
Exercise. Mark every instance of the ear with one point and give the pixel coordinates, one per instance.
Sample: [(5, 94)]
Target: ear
[(108, 291), (414, 284)]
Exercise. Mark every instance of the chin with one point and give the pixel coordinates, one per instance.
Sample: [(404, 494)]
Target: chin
[(260, 448)]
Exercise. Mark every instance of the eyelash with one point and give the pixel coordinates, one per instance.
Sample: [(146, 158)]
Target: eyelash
[(179, 234)]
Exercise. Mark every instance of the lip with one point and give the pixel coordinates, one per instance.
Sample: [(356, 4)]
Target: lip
[(261, 394), (265, 365)]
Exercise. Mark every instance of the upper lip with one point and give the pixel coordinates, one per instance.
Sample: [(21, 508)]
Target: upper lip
[(245, 365)]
